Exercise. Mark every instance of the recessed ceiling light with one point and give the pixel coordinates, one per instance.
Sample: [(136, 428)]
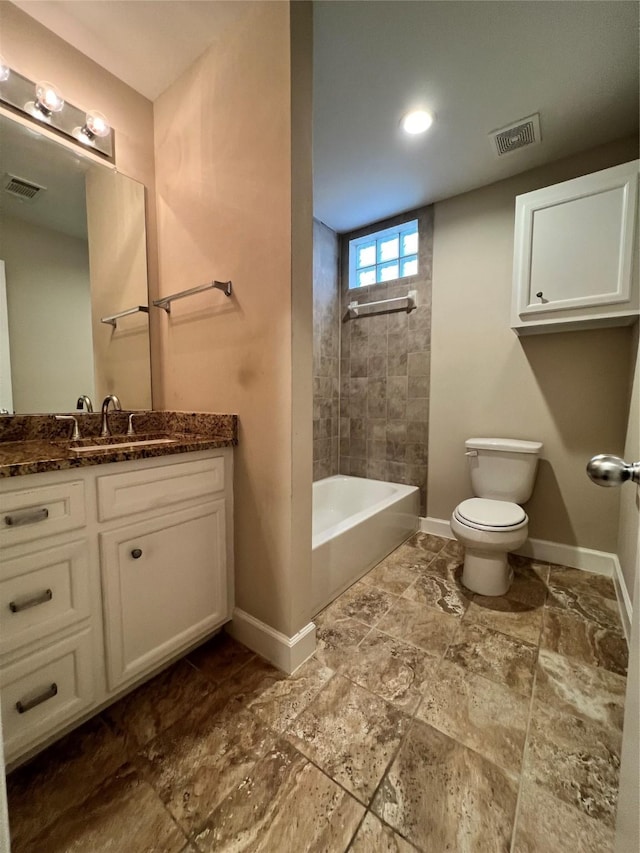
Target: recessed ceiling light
[(417, 121)]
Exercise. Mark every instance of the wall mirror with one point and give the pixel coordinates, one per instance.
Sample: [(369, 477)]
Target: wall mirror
[(72, 253)]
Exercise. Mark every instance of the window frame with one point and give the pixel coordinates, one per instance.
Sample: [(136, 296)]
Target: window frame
[(374, 236)]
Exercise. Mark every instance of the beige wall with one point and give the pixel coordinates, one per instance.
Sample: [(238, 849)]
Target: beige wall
[(49, 308), (569, 390), (38, 54), (224, 164), (118, 262)]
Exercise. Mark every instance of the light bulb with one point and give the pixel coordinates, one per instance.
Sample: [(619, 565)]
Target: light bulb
[(5, 71), (48, 98), (97, 124), (417, 121)]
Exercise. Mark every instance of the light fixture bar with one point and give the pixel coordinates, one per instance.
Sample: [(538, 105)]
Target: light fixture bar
[(46, 107)]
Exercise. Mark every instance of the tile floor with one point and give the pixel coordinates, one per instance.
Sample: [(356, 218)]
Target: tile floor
[(429, 719)]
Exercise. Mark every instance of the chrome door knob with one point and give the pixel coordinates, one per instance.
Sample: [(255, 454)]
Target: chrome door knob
[(606, 470)]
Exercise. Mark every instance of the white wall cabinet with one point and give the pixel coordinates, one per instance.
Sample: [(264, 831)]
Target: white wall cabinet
[(108, 573), (574, 253)]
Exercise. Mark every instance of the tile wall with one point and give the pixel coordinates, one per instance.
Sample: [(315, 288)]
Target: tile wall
[(326, 349), (384, 372)]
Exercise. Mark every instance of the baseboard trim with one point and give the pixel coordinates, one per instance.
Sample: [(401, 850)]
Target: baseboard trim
[(599, 562), (624, 599), (287, 653)]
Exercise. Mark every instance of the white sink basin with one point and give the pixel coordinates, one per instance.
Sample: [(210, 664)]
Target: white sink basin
[(129, 445)]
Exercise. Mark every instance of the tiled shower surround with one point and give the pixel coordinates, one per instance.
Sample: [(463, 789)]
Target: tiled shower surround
[(326, 348), (384, 371)]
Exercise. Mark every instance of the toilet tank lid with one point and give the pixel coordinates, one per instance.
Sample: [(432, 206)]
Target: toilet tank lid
[(511, 445)]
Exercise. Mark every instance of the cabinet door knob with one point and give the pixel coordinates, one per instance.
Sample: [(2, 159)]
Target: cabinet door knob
[(539, 294), (136, 553)]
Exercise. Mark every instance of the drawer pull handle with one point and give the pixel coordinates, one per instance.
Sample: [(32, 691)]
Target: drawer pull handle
[(136, 553), (31, 601), (27, 516), (49, 693)]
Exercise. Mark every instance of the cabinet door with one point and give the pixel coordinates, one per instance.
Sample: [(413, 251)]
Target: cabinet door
[(574, 243), (164, 584)]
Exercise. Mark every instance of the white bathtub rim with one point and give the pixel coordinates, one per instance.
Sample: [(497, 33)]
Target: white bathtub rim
[(400, 491)]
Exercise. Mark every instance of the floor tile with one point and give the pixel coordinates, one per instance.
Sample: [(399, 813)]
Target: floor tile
[(393, 576), (124, 813), (220, 657), (453, 548), (281, 702), (350, 734), (481, 714), (334, 637), (574, 760), (394, 670), (508, 616), (61, 777), (595, 608), (373, 835), (422, 626), (529, 585), (547, 825), (442, 796), (584, 641), (496, 656), (193, 767), (156, 705), (427, 542), (562, 577), (362, 602), (446, 566), (581, 690), (284, 804), (444, 595)]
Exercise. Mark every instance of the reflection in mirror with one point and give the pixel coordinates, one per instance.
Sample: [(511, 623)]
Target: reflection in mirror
[(73, 243)]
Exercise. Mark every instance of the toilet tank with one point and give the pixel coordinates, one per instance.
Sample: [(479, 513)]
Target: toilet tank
[(503, 469)]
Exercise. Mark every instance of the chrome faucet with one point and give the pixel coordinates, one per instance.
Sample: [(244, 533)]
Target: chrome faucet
[(83, 401), (110, 398)]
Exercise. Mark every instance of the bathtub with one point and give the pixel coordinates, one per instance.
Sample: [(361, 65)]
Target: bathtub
[(356, 522)]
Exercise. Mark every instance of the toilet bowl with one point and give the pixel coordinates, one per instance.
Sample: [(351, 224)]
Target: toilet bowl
[(493, 524)]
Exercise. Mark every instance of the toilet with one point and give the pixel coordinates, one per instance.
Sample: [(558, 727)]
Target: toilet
[(493, 523)]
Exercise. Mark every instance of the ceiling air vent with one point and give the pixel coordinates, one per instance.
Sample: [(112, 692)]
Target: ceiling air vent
[(19, 188), (524, 132)]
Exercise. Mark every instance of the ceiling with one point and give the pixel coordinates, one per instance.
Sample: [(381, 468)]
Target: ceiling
[(477, 66)]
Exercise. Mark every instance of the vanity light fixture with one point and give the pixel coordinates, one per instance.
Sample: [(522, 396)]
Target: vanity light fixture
[(90, 129), (416, 121), (95, 125)]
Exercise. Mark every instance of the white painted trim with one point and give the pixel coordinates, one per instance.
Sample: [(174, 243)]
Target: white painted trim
[(624, 599), (287, 653), (436, 526)]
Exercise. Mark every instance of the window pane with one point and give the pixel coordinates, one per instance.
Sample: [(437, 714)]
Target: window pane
[(366, 255), (387, 272), (388, 249), (367, 276), (409, 243), (409, 266)]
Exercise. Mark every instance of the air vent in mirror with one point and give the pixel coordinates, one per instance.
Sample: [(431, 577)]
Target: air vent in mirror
[(22, 189)]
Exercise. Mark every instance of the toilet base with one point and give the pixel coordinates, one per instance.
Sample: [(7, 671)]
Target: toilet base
[(487, 573)]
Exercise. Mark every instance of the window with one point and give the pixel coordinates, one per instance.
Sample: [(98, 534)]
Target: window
[(384, 255)]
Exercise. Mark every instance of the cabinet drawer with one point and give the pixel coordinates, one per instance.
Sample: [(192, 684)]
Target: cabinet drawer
[(43, 592), (165, 585), (43, 692), (121, 495), (44, 511)]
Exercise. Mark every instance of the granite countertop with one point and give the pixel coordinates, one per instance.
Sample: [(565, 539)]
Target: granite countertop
[(31, 444)]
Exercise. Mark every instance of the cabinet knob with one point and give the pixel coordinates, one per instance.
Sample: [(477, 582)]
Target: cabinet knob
[(136, 553), (539, 294)]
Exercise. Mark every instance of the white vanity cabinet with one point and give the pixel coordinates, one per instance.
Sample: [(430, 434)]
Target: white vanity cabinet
[(108, 572), (574, 253)]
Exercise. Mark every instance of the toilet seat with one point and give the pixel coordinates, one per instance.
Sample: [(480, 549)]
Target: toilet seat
[(490, 515)]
